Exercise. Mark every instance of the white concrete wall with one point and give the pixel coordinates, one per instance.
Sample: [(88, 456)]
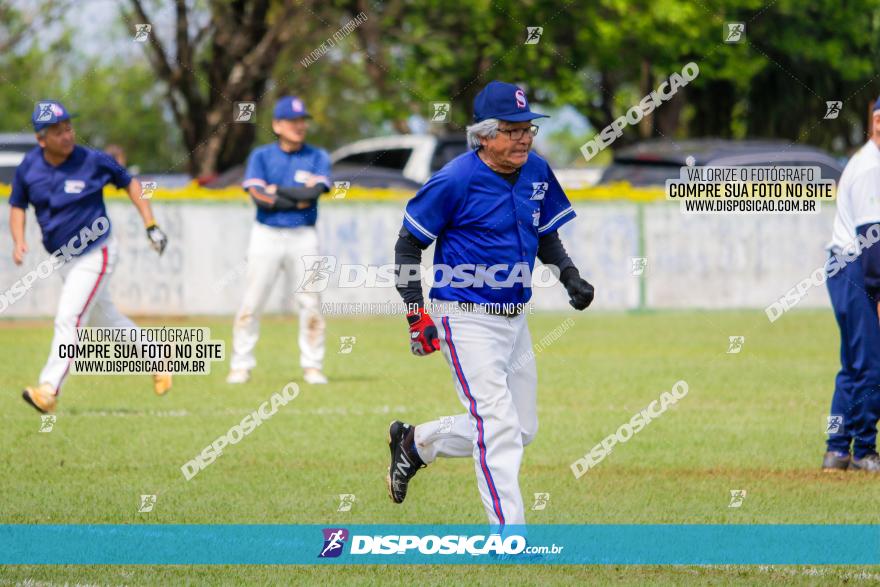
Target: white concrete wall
[(693, 261), (733, 261)]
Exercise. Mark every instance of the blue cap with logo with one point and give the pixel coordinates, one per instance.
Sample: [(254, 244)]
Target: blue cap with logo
[(289, 108), (505, 102), (47, 113)]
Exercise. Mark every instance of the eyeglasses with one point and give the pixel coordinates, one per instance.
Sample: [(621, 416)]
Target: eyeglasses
[(515, 134)]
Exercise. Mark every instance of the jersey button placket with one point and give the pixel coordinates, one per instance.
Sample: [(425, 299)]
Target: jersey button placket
[(519, 224)]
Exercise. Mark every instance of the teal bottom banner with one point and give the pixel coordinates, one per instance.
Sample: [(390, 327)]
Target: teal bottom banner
[(168, 544)]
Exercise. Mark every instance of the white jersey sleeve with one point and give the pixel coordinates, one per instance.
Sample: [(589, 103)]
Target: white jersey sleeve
[(858, 197), (865, 197)]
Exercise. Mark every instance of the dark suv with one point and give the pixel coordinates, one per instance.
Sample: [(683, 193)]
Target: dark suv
[(654, 161), (13, 147)]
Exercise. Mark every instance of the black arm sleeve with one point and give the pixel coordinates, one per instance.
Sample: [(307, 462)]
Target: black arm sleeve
[(870, 259), (408, 253), (551, 252), (295, 194), (275, 204)]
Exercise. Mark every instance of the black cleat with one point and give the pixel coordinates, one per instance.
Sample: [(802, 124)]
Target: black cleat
[(871, 463), (835, 461), (403, 465)]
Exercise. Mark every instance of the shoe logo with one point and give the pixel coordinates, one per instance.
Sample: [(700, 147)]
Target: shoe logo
[(334, 540), (403, 464), (400, 473)]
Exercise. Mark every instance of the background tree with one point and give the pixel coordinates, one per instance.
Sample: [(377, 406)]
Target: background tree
[(174, 108), (208, 67)]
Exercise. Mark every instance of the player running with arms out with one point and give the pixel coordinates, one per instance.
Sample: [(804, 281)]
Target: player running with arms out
[(64, 182), (496, 205), (855, 296), (284, 179)]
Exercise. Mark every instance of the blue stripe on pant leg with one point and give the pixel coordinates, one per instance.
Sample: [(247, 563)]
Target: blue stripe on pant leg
[(481, 443)]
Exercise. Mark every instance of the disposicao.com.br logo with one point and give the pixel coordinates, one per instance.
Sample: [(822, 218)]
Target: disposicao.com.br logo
[(452, 544)]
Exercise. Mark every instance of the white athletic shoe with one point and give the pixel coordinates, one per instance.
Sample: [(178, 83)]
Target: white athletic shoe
[(314, 376), (238, 376)]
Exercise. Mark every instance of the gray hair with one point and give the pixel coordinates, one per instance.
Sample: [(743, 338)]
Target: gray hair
[(487, 128)]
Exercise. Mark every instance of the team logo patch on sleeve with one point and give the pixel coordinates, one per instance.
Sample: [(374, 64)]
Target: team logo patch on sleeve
[(539, 190)]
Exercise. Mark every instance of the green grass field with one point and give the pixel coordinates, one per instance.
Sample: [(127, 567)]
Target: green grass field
[(753, 420)]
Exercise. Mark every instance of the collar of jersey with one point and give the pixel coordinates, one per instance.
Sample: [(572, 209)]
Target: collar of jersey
[(494, 173)]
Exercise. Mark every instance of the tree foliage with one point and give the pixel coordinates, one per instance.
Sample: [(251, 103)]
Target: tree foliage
[(600, 57)]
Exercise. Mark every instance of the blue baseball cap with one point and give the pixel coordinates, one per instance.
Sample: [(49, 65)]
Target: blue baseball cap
[(877, 105), (289, 108), (505, 102), (47, 113)]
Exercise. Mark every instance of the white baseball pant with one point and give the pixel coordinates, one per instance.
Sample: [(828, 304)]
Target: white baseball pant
[(85, 301), (272, 250), (493, 367)]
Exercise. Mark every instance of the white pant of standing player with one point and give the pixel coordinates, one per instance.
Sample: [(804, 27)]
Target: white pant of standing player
[(272, 250), (85, 301), (493, 366)]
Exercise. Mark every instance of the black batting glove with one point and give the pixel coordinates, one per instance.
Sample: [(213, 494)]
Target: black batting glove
[(157, 238), (580, 292)]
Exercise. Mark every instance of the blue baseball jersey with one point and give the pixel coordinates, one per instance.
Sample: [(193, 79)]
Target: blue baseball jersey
[(486, 228), (69, 197), (269, 165)]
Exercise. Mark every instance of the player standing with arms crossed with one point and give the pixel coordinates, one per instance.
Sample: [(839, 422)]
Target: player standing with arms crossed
[(496, 205), (284, 179), (855, 296), (65, 184)]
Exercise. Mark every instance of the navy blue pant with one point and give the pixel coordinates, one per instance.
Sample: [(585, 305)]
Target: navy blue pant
[(857, 387)]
